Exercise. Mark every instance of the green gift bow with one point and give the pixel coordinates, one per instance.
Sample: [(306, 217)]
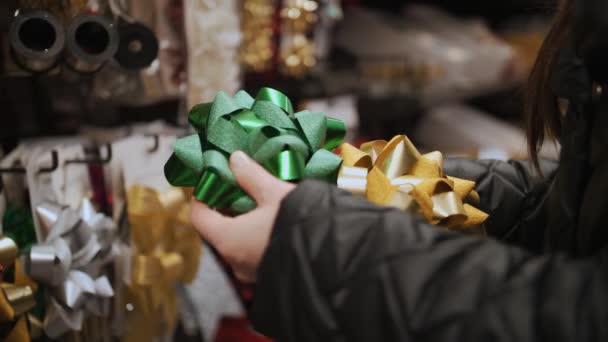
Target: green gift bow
[(291, 146)]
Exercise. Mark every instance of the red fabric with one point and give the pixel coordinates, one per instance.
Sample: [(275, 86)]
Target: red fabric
[(100, 195), (237, 330), (246, 292), (361, 140)]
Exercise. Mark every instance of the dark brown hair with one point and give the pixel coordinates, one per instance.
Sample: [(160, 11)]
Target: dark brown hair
[(543, 117)]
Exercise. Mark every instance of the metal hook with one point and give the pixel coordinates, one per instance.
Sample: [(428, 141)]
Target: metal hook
[(156, 145), (53, 167), (105, 160)]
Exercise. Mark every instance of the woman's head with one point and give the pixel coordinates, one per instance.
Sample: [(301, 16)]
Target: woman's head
[(542, 112)]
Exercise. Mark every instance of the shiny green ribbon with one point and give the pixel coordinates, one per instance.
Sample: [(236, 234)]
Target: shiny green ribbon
[(291, 146), (18, 225)]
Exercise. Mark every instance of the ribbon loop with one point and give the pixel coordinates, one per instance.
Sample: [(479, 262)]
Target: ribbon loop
[(314, 127), (336, 132), (321, 166), (353, 179), (59, 320), (8, 252), (248, 120), (50, 263), (276, 97), (20, 298)]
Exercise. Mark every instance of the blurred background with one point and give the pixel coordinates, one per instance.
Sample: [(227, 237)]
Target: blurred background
[(449, 74), (116, 79)]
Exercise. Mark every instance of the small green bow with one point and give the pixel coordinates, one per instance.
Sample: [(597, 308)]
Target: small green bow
[(290, 146)]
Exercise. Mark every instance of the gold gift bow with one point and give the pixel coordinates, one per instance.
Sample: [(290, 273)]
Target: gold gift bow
[(395, 174), (166, 251), (17, 298)]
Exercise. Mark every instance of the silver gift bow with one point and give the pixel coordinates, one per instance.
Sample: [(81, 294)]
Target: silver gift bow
[(71, 264)]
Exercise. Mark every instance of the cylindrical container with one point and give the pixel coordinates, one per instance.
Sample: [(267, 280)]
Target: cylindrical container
[(91, 41), (37, 40), (138, 46)]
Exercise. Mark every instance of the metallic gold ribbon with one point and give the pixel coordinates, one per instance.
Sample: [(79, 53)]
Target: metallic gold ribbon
[(394, 173), (71, 264), (17, 298), (298, 19), (166, 252), (292, 146), (258, 37)]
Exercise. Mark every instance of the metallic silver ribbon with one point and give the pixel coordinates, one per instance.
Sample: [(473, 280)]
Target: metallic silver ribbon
[(71, 263)]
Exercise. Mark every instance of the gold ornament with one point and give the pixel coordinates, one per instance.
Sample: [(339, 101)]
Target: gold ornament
[(256, 24), (298, 18)]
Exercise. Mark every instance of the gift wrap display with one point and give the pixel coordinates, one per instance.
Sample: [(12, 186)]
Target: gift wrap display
[(395, 174), (292, 146), (59, 288), (165, 252), (72, 273), (72, 264)]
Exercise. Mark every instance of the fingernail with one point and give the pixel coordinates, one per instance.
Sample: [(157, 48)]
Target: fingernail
[(239, 159)]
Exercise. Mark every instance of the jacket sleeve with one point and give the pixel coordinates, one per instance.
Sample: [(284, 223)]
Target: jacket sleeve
[(341, 269), (512, 193)]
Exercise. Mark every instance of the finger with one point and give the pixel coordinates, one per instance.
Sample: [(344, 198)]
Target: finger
[(209, 223), (253, 178)]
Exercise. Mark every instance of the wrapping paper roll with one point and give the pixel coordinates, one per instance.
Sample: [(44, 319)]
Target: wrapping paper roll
[(37, 40), (91, 41)]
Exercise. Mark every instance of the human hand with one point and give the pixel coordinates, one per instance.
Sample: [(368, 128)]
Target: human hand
[(242, 240)]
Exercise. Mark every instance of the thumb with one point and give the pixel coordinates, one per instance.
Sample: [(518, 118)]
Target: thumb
[(209, 223), (254, 179)]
